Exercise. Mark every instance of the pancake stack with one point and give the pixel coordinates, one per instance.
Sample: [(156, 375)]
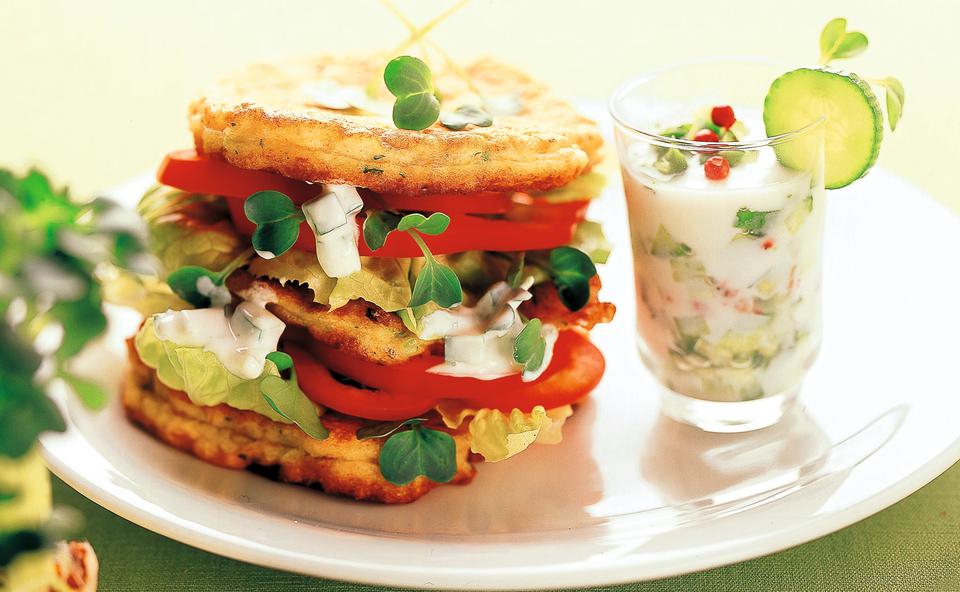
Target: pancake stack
[(427, 304)]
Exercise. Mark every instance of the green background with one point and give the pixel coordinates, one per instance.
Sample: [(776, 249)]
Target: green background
[(913, 545)]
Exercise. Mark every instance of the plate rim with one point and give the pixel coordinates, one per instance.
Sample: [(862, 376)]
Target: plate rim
[(526, 578)]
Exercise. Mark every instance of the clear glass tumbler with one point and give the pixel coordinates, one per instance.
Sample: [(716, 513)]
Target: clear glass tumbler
[(727, 271)]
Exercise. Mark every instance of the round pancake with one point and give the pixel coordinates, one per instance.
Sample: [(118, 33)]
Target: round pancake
[(236, 439), (270, 117)]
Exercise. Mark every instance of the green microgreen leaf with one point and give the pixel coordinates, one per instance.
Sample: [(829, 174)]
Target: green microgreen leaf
[(407, 75), (436, 224), (409, 79), (278, 222), (436, 283), (90, 393), (188, 282), (515, 272), (571, 270), (276, 238), (831, 35), (387, 428), (285, 397), (377, 226), (529, 347), (852, 45), (838, 43), (895, 97), (419, 452), (752, 223), (8, 495), (183, 282), (416, 112), (281, 360), (264, 207), (466, 115)]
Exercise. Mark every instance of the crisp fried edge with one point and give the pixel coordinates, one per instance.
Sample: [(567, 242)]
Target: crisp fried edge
[(359, 328), (340, 465), (322, 145)]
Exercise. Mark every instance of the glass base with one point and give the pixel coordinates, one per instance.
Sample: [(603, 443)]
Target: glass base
[(728, 417)]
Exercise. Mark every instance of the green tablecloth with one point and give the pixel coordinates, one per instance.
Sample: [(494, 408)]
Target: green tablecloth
[(914, 545)]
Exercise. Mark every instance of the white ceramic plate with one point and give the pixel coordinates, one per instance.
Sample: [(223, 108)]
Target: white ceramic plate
[(628, 495)]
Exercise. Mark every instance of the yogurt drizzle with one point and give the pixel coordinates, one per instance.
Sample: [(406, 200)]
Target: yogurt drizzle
[(332, 218), (478, 340), (241, 340)]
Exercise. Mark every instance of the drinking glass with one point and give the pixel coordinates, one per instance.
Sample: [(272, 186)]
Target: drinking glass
[(727, 272)]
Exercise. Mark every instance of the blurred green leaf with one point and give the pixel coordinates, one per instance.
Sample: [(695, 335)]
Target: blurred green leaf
[(22, 420), (90, 393)]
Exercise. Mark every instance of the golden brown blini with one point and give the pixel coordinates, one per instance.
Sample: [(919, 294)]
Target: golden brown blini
[(238, 439), (270, 116)]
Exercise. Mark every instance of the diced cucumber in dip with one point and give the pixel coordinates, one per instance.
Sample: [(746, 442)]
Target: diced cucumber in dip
[(727, 267)]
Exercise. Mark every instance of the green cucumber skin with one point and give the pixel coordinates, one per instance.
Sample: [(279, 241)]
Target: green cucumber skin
[(870, 100)]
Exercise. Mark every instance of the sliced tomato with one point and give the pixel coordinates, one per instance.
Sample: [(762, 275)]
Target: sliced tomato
[(483, 221), (575, 370), (188, 171), (484, 202), (466, 232), (321, 387)]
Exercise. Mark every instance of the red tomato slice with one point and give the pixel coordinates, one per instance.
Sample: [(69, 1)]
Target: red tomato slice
[(321, 387), (485, 202), (575, 370), (524, 225), (188, 171), (466, 232)]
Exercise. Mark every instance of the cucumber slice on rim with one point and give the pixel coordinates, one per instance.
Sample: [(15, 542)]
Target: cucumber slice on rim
[(853, 128)]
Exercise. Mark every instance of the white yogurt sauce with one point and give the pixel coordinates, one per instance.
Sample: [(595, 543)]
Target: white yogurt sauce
[(754, 303), (332, 218), (478, 340), (241, 341), (219, 295)]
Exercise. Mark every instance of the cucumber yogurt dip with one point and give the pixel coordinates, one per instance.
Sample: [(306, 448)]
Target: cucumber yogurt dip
[(727, 263), (726, 163)]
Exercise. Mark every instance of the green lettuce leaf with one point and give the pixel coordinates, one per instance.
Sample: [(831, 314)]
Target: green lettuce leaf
[(296, 266), (497, 435), (383, 281), (189, 229), (583, 187), (590, 239), (202, 377)]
